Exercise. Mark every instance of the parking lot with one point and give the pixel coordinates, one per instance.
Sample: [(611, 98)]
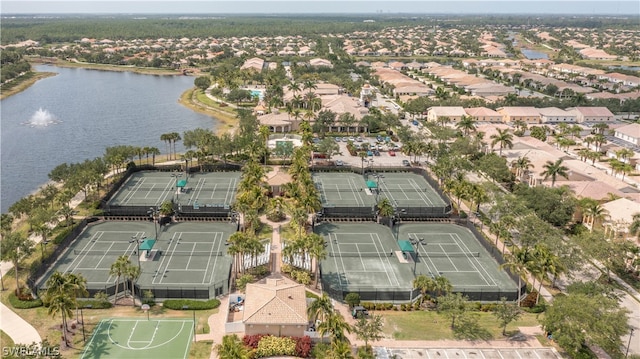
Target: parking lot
[(379, 156), (468, 353)]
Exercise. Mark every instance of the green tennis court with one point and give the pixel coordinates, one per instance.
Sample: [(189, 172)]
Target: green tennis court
[(185, 255), (366, 258), (454, 252), (403, 189), (140, 338), (150, 188)]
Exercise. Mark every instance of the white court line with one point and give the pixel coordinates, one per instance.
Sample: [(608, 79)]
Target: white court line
[(422, 194), (161, 272), (359, 192), (95, 334), (165, 193), (149, 191), (338, 191), (206, 269), (454, 236), (395, 278), (215, 188), (449, 258), (335, 261), (133, 191), (359, 256), (92, 241), (194, 191), (199, 189), (382, 261)]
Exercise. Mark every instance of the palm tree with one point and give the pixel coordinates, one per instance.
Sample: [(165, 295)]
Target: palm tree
[(166, 138), (320, 308), (317, 251), (385, 209), (555, 169), (424, 284), (334, 325), (61, 303), (340, 350), (133, 273), (78, 285), (466, 124), (442, 286), (13, 247), (517, 263), (595, 212), (522, 165), (504, 138), (118, 269), (232, 348)]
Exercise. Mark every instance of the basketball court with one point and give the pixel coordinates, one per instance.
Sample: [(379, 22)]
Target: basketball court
[(191, 255), (140, 338)]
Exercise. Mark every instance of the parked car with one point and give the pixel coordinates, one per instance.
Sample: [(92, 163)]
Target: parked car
[(406, 163), (392, 153), (359, 312), (369, 153), (339, 163), (376, 153)]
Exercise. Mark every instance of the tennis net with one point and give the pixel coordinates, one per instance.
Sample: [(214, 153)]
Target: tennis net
[(446, 255), (166, 253), (360, 254)]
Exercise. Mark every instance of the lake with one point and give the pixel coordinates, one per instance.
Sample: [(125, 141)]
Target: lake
[(534, 55), (76, 114)]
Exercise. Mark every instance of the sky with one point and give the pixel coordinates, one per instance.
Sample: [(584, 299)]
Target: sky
[(561, 7)]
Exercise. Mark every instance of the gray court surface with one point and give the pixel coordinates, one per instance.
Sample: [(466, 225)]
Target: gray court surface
[(150, 188), (468, 353), (454, 252), (403, 189), (185, 255), (366, 255)]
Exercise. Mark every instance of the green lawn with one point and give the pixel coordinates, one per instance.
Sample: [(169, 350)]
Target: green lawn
[(429, 325), (5, 340)]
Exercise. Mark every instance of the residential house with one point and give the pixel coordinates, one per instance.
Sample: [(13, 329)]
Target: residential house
[(629, 133), (592, 114), (483, 114), (320, 63), (438, 113), (275, 306), (255, 64), (556, 115), (529, 115)]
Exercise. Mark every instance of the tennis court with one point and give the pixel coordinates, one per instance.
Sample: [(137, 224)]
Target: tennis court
[(366, 258), (351, 194), (454, 252), (151, 189), (140, 338), (186, 260), (362, 257)]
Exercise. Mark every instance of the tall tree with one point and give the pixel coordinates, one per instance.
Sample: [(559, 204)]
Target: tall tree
[(119, 269), (506, 313), (13, 247), (369, 329), (555, 169), (503, 138)]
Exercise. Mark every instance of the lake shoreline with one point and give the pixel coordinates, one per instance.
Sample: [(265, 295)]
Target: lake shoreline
[(21, 86)]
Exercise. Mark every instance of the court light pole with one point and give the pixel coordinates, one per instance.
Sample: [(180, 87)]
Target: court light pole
[(153, 212), (137, 240), (176, 176), (43, 244)]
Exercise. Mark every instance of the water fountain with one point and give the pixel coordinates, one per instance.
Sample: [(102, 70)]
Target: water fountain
[(42, 118)]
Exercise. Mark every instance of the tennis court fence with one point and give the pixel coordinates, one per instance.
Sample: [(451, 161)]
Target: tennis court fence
[(165, 253)]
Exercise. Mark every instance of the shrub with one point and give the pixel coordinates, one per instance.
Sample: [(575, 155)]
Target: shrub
[(95, 304), (490, 307), (24, 304), (321, 351), (311, 295), (388, 306), (147, 298), (303, 346), (538, 308), (252, 340), (416, 305), (352, 299), (529, 301), (368, 305), (272, 346), (62, 235), (244, 279), (259, 271), (286, 269), (178, 304), (300, 276)]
